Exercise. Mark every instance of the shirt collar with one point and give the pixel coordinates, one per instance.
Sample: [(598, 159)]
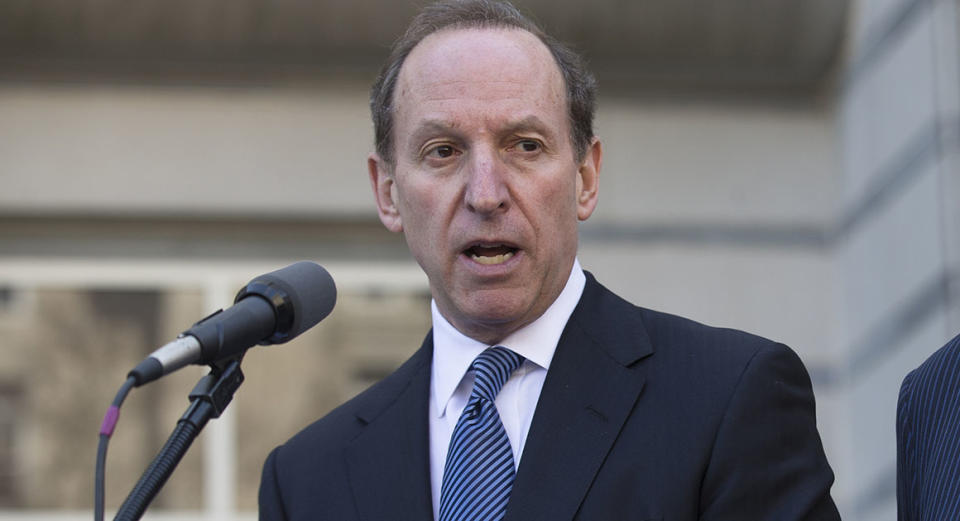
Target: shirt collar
[(453, 352)]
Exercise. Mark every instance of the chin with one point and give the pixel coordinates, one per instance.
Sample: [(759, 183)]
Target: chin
[(494, 313)]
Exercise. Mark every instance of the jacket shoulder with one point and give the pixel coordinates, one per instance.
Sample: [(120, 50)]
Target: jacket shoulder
[(934, 379)]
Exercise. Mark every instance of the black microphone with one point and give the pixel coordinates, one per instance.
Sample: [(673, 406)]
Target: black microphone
[(272, 309)]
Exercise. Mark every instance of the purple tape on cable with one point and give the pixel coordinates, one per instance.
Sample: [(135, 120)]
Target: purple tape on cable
[(110, 420)]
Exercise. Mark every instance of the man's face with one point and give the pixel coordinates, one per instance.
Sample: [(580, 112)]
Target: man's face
[(486, 186)]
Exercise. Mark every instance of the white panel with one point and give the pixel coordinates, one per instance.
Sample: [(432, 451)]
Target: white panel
[(953, 324), (857, 121), (702, 163), (890, 257), (780, 294), (274, 151), (871, 17), (885, 510), (890, 104), (161, 150), (220, 437), (949, 170), (946, 19), (358, 276), (874, 403), (833, 422), (290, 152)]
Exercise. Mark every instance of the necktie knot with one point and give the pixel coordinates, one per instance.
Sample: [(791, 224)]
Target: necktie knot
[(493, 368)]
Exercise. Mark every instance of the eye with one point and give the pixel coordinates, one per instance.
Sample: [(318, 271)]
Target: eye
[(441, 152), (528, 145)]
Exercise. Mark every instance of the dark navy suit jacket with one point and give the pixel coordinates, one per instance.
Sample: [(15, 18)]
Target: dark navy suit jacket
[(643, 416), (928, 438)]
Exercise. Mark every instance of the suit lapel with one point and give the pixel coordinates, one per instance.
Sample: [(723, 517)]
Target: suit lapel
[(389, 462), (592, 385)]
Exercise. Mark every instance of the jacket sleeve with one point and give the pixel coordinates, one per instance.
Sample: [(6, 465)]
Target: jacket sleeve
[(271, 504), (768, 461), (905, 480)]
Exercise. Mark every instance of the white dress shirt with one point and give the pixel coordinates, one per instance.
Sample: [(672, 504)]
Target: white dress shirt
[(451, 384)]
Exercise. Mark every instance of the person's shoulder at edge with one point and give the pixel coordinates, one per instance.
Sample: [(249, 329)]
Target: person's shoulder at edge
[(928, 378), (948, 354), (754, 395)]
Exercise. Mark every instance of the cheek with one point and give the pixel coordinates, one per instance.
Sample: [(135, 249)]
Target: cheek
[(423, 211), (414, 197), (558, 199), (558, 210)]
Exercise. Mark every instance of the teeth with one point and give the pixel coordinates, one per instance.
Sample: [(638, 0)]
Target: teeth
[(496, 259)]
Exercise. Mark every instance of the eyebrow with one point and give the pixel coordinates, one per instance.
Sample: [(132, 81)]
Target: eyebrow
[(435, 126), (528, 123), (430, 127)]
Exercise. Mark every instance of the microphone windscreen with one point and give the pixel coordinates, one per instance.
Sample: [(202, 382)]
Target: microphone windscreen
[(311, 291)]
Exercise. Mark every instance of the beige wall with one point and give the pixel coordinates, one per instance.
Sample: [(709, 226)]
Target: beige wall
[(303, 152)]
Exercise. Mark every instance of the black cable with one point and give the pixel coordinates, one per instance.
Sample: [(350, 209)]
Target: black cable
[(106, 430)]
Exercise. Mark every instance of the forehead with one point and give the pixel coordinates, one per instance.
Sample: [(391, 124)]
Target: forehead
[(479, 67)]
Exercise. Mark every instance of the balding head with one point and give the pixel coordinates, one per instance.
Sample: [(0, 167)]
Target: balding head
[(580, 85)]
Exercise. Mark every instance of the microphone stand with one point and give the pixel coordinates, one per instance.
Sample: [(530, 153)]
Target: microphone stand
[(208, 400)]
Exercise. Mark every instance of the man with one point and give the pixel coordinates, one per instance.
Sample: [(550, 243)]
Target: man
[(928, 438), (486, 160)]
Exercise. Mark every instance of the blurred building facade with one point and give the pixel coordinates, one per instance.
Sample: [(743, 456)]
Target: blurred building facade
[(898, 233), (788, 168)]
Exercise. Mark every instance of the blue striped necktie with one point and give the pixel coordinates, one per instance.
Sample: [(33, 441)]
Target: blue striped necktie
[(478, 474)]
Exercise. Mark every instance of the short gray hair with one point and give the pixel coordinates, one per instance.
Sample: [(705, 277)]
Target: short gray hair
[(580, 83)]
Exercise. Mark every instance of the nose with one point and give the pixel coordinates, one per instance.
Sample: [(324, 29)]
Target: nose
[(486, 191)]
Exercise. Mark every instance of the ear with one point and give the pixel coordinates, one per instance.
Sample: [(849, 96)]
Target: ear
[(384, 192), (588, 180)]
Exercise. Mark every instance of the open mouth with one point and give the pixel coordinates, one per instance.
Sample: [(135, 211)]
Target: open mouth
[(490, 253)]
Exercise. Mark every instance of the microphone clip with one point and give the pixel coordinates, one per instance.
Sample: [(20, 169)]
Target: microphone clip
[(215, 390)]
